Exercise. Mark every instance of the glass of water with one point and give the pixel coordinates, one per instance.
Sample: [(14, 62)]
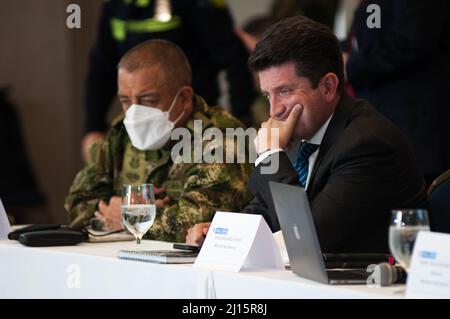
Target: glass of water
[(138, 209), (405, 224)]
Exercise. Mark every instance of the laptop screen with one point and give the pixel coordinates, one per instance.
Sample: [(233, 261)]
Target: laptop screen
[(297, 225)]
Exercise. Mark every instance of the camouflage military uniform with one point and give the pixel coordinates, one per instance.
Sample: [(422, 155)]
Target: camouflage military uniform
[(197, 190)]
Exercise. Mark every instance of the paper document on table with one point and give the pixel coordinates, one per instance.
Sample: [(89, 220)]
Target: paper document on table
[(429, 274), (236, 241), (5, 227)]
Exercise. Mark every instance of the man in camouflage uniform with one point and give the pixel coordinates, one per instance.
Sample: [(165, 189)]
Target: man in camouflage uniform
[(153, 74)]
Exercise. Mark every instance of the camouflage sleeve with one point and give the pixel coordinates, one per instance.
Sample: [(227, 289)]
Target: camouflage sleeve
[(207, 188), (92, 183)]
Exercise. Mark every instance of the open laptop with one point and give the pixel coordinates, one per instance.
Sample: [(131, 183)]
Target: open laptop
[(302, 244)]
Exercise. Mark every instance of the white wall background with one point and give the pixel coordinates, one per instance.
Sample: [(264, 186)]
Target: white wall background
[(243, 9)]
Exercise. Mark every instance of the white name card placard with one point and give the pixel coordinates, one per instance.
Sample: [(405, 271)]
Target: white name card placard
[(237, 241), (5, 227), (429, 275)]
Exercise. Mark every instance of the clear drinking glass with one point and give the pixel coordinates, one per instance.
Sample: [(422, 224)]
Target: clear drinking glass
[(138, 209), (405, 224)]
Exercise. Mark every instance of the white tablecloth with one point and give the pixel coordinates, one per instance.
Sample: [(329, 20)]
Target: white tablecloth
[(93, 271)]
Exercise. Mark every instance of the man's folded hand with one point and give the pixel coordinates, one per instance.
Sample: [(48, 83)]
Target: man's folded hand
[(110, 214), (196, 234)]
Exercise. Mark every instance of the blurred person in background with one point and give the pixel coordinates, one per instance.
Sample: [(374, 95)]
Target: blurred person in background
[(402, 69), (20, 193), (250, 34), (323, 11)]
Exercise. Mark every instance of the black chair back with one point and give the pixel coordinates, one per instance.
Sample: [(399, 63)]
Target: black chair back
[(439, 195)]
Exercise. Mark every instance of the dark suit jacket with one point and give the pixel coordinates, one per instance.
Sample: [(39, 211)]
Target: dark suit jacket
[(402, 69), (364, 169)]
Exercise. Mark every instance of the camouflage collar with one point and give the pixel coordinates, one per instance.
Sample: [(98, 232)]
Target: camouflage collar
[(118, 119), (199, 110)]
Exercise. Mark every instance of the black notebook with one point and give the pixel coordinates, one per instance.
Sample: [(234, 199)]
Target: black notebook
[(159, 256)]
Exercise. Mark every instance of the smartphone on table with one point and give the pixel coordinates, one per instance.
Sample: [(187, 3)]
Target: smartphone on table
[(186, 247)]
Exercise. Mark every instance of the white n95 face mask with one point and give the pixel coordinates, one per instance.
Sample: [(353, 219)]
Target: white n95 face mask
[(149, 128)]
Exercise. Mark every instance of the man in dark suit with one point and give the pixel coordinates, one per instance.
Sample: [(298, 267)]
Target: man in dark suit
[(402, 69), (355, 165)]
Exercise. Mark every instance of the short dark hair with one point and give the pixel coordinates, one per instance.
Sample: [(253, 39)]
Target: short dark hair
[(159, 52), (312, 46)]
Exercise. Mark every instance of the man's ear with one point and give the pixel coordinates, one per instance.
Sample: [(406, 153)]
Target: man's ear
[(186, 97), (328, 85)]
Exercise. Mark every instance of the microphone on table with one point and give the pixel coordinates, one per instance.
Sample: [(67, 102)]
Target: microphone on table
[(385, 274)]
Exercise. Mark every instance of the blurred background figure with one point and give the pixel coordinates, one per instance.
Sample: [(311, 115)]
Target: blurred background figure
[(250, 33), (204, 30), (19, 191), (323, 11), (402, 69)]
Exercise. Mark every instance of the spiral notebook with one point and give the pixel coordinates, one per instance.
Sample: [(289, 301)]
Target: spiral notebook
[(159, 256)]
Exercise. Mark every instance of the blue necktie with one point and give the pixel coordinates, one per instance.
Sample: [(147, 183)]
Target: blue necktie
[(302, 161)]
